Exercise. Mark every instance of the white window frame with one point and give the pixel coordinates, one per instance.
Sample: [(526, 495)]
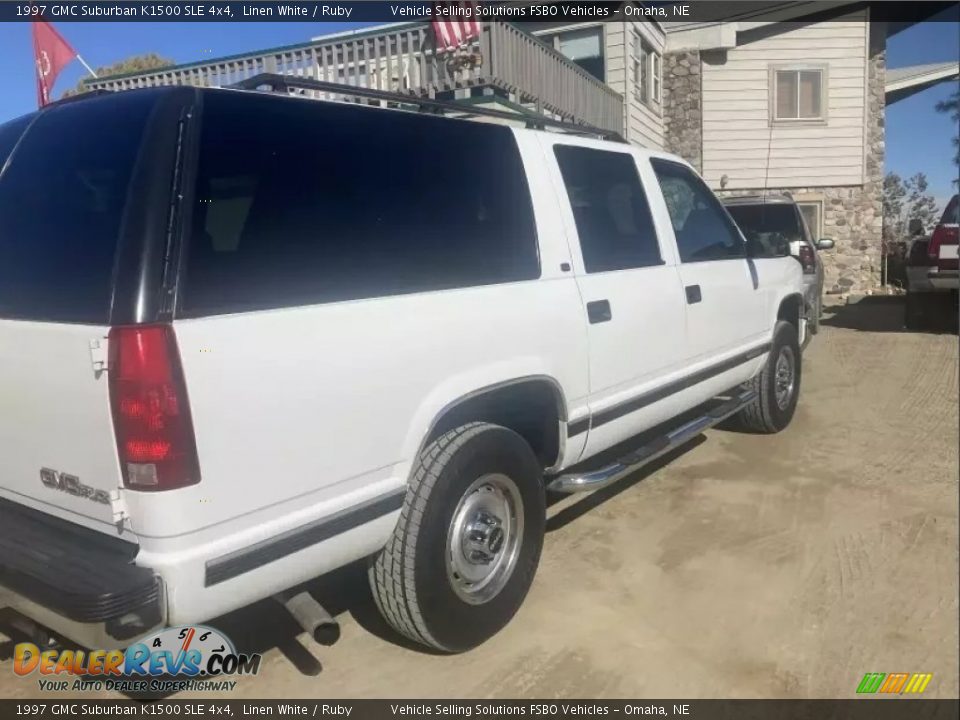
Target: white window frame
[(824, 79), (646, 68), (551, 37), (815, 232), (656, 75)]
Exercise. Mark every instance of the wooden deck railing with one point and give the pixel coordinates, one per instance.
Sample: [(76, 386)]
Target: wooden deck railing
[(403, 60)]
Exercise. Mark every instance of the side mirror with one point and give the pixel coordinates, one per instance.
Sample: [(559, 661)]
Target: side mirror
[(825, 244), (915, 226)]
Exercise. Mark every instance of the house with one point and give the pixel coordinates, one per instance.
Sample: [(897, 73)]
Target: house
[(785, 97)]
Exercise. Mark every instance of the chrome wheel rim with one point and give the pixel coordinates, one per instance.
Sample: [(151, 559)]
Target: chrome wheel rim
[(483, 541), (784, 377)]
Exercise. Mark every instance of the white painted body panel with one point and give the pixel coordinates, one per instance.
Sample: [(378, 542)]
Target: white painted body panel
[(55, 413), (644, 340), (305, 412)]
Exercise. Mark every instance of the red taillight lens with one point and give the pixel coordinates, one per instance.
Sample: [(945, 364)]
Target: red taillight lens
[(151, 415), (807, 259), (942, 235)]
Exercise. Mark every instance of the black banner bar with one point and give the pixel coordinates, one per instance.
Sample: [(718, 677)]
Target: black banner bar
[(893, 708), (407, 10)]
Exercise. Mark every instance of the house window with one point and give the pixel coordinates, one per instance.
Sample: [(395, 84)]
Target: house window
[(641, 55), (646, 71), (584, 47), (798, 94), (655, 75), (812, 213)]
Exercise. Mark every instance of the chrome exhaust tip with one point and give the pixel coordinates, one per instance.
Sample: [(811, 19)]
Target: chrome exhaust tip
[(311, 616)]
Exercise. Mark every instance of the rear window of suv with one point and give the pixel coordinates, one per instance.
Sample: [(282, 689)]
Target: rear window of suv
[(300, 202), (62, 199)]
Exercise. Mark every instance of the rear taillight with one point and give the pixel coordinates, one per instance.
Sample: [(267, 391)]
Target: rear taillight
[(807, 259), (942, 235), (151, 414)]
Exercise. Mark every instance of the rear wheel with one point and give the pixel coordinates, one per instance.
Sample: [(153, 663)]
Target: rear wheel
[(465, 551), (777, 386)]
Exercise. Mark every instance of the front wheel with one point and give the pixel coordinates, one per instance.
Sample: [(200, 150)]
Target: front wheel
[(465, 551), (777, 386)]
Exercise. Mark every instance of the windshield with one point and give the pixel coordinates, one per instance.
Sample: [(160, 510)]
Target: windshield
[(771, 226)]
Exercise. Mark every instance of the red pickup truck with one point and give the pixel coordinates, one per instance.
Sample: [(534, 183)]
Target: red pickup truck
[(932, 266)]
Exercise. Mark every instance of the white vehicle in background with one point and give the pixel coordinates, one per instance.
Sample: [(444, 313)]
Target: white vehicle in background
[(932, 265), (771, 220), (248, 339)]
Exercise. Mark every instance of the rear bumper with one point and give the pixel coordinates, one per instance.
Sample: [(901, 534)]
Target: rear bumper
[(82, 577), (929, 278), (944, 279)]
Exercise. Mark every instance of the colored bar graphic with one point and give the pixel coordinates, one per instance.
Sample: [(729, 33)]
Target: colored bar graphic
[(871, 682), (918, 682), (894, 683)]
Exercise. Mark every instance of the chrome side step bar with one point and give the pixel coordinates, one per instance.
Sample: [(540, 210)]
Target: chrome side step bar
[(596, 479)]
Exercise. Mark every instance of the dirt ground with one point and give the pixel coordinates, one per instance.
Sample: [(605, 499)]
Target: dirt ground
[(745, 566)]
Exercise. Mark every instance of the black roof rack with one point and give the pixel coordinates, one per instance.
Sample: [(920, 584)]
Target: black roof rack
[(285, 83)]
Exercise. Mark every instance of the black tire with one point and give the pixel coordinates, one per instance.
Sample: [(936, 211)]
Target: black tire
[(914, 312), (767, 414), (413, 582)]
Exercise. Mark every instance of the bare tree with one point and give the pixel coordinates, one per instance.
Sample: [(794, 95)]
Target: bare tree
[(952, 106)]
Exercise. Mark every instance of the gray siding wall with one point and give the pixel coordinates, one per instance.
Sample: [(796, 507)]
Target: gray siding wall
[(738, 134), (643, 122)]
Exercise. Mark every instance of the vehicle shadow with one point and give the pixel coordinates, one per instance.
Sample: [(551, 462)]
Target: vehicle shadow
[(886, 313), (267, 625), (590, 501)]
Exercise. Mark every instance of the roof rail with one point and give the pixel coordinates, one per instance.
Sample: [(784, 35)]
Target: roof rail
[(285, 83)]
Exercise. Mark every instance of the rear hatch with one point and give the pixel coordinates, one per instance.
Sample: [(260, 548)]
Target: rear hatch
[(65, 197)]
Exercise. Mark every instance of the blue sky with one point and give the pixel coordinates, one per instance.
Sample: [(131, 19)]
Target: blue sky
[(917, 138)]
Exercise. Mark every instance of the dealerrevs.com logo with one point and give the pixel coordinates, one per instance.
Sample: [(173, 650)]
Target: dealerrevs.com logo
[(173, 660)]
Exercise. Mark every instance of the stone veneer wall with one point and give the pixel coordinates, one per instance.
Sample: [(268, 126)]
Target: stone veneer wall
[(852, 215), (682, 108)]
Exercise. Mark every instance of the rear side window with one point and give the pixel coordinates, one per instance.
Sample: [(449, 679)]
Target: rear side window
[(609, 207), (702, 228), (62, 201), (302, 202), (10, 133)]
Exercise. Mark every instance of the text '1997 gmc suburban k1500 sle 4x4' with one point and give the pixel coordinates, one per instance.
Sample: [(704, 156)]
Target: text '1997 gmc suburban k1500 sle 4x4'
[(247, 338)]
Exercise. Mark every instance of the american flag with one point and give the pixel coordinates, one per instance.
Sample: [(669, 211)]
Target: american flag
[(455, 23)]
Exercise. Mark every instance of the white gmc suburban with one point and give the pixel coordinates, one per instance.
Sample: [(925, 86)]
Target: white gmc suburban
[(247, 338)]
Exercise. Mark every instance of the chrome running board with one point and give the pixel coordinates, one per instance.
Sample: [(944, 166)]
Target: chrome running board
[(596, 479)]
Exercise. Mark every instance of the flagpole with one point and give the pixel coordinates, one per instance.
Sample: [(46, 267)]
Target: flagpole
[(84, 63)]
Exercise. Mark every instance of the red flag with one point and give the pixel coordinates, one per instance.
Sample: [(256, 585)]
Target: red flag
[(51, 53), (455, 23)]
